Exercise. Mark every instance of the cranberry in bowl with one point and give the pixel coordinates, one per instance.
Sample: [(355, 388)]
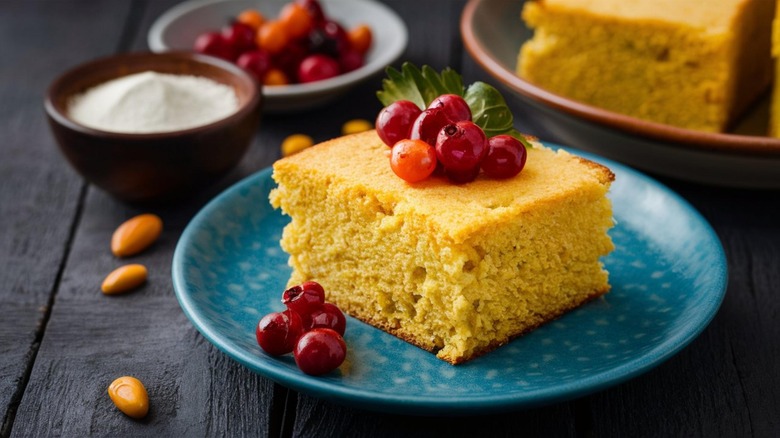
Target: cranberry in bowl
[(181, 26)]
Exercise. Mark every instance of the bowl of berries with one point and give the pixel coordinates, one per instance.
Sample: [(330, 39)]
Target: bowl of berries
[(305, 53)]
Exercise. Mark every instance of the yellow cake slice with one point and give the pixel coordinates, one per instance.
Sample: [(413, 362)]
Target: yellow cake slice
[(696, 64), (454, 269), (774, 109)]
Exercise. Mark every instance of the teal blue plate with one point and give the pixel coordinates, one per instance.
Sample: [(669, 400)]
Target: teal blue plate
[(668, 275)]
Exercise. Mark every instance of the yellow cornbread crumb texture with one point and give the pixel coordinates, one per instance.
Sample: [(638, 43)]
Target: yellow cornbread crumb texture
[(689, 63), (454, 269)]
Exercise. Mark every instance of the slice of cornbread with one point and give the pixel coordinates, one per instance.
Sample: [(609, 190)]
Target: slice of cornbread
[(454, 269), (774, 109), (690, 63)]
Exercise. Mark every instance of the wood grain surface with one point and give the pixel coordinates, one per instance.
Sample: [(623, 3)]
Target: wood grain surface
[(62, 342)]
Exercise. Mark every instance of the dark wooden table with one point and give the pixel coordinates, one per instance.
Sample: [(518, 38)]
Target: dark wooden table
[(62, 342)]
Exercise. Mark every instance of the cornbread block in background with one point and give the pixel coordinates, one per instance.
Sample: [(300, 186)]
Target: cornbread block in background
[(454, 269), (774, 111), (690, 63)]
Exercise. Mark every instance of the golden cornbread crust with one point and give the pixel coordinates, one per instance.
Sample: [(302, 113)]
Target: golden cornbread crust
[(454, 269), (688, 63), (382, 325)]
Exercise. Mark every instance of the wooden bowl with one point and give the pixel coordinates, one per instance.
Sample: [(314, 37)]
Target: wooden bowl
[(154, 166)]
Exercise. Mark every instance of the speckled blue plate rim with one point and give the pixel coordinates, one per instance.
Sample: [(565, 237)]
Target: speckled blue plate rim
[(468, 404)]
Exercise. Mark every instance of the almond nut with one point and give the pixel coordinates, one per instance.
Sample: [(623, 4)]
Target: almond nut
[(136, 234), (129, 395), (124, 278)]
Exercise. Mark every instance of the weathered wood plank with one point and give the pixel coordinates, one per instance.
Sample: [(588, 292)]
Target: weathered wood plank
[(321, 419), (195, 390), (39, 193)]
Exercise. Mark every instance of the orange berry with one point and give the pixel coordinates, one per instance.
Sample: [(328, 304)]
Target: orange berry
[(413, 160), (251, 18), (296, 20), (272, 37), (275, 77), (360, 38)]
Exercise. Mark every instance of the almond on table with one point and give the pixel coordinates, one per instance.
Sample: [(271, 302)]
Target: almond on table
[(136, 234), (296, 143), (124, 279), (356, 125), (130, 396)]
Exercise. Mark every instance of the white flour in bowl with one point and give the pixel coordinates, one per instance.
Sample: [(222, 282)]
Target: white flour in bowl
[(151, 102)]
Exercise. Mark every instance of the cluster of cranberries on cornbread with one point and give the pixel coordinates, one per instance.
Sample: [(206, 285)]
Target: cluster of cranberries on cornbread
[(456, 268), (444, 135)]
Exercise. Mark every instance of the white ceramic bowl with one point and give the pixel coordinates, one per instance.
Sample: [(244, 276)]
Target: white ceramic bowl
[(178, 28), (493, 33)]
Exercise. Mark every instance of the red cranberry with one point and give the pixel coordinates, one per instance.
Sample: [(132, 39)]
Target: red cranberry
[(215, 44), (289, 59), (505, 157), (350, 60), (461, 146), (304, 298), (314, 9), (334, 31), (329, 316), (428, 124), (319, 351), (454, 106), (317, 67), (240, 36), (278, 332), (462, 176), (395, 121), (258, 62)]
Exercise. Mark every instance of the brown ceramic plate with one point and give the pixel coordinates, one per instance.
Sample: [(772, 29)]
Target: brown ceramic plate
[(493, 33)]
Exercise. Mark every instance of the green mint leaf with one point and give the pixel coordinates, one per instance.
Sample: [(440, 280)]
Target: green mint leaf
[(490, 111), (418, 86), (421, 86), (397, 87), (522, 138), (449, 82)]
